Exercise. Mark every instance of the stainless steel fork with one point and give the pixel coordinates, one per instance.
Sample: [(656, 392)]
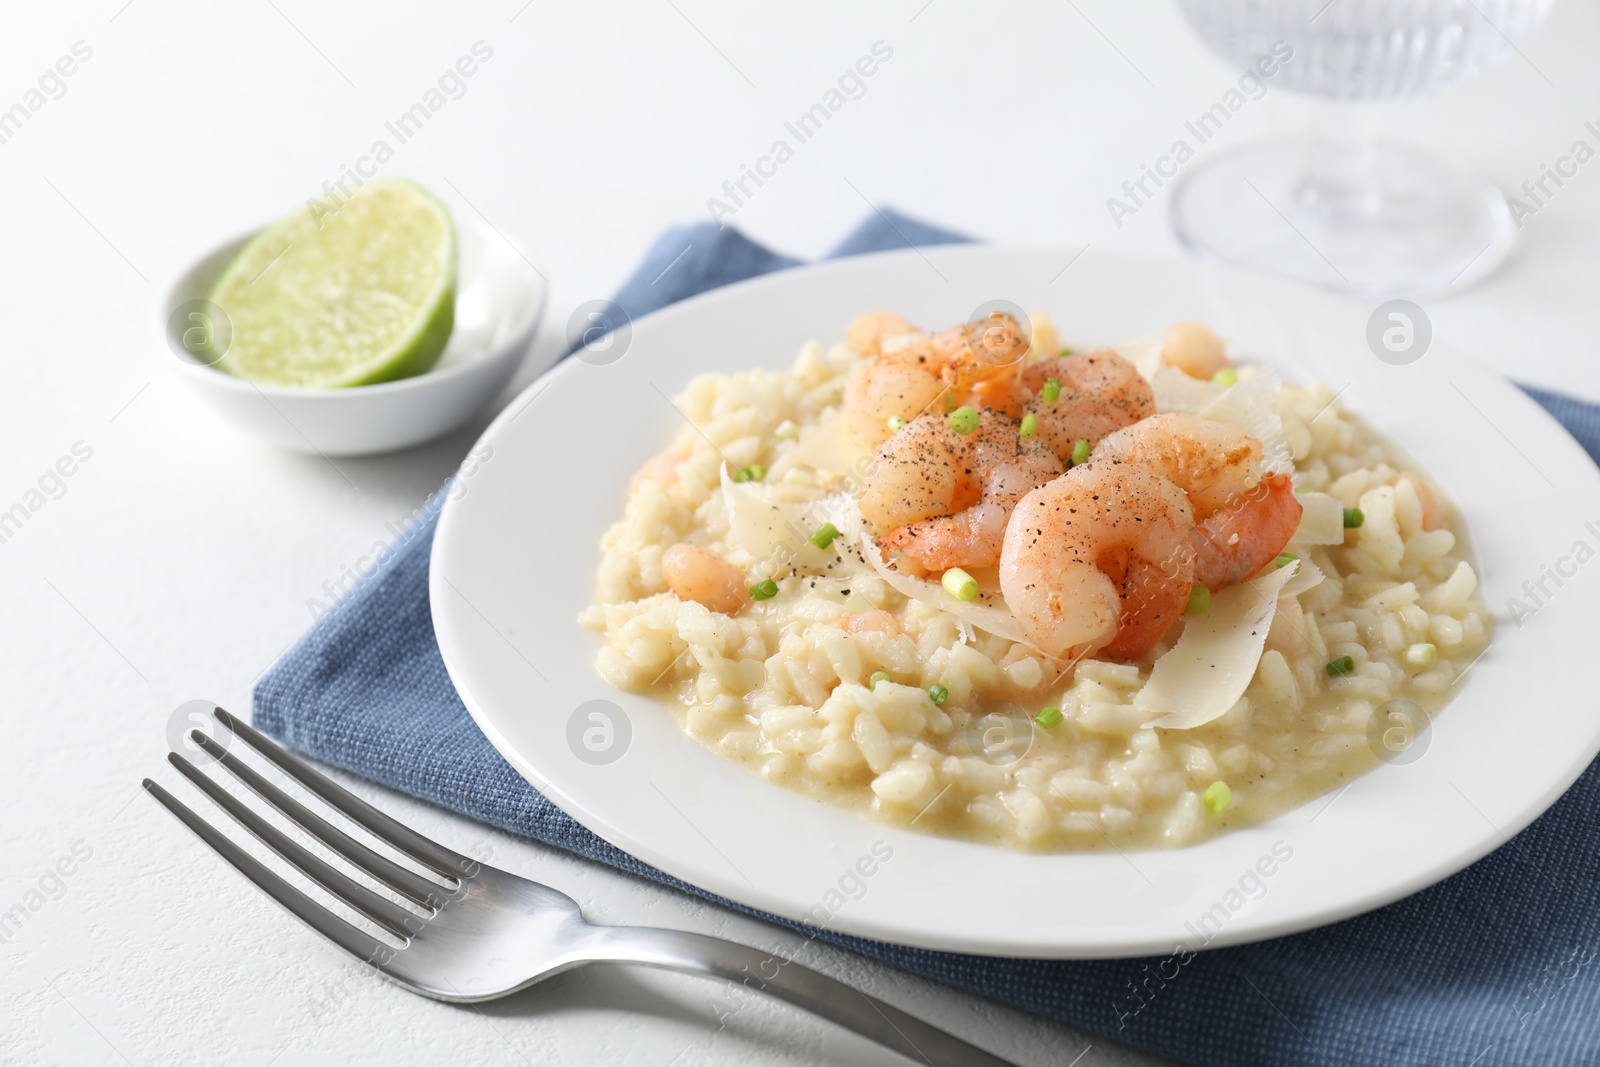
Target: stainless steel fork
[(475, 932)]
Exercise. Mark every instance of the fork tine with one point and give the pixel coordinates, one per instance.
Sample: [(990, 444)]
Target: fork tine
[(429, 853), (407, 883), (385, 913), (358, 943)]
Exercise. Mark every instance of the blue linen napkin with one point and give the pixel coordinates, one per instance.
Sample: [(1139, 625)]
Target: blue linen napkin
[(1494, 966)]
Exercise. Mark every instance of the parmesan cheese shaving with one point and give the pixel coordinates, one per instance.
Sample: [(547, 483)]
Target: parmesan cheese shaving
[(1252, 406), (1207, 671), (1309, 576), (1177, 391), (1144, 353), (776, 534), (987, 613), (895, 342), (825, 445), (1321, 520)]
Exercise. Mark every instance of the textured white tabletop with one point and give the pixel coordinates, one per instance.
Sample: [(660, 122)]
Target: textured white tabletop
[(178, 560)]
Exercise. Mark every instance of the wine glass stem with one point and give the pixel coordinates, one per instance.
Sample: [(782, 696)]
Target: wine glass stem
[(1341, 176)]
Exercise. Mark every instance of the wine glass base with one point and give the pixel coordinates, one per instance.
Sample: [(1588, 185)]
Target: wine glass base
[(1425, 226)]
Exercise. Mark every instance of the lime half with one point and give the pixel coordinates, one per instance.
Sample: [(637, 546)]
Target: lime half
[(345, 294)]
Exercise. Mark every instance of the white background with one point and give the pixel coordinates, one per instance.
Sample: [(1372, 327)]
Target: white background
[(180, 560)]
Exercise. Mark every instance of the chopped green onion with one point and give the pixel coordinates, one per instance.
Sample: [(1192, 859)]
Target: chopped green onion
[(963, 420), (896, 424), (1226, 376), (879, 676), (1080, 452), (948, 402), (1065, 352), (1353, 518), (1285, 558), (959, 584), (1051, 391), (1217, 797), (1338, 668), (764, 590), (1048, 716), (753, 473), (787, 430), (1199, 600), (1030, 425), (824, 536), (938, 693), (1421, 655)]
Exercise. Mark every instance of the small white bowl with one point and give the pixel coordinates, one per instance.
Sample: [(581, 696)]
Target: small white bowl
[(499, 299)]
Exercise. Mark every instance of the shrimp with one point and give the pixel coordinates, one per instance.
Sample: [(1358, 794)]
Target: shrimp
[(1100, 393), (1242, 519), (661, 468), (946, 496), (1193, 348), (888, 387), (1432, 511), (1238, 541), (868, 332), (1003, 394), (1099, 558), (1211, 460), (697, 574), (914, 377), (915, 475), (875, 621)]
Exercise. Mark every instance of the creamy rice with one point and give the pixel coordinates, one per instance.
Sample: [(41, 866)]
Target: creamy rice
[(780, 689)]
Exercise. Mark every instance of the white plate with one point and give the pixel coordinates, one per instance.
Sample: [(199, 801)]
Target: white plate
[(516, 552)]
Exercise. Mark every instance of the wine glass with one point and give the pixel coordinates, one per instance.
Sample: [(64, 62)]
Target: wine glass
[(1337, 206)]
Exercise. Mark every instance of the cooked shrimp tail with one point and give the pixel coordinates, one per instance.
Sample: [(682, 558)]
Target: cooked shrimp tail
[(1100, 558), (1243, 520), (1244, 537)]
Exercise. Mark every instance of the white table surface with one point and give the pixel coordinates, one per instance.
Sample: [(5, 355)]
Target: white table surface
[(180, 559)]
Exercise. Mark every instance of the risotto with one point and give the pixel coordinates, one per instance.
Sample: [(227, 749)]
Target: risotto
[(828, 670)]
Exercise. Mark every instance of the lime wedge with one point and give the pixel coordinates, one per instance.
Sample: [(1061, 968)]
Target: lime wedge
[(334, 295)]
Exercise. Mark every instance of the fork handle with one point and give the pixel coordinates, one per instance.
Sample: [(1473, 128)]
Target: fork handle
[(770, 973)]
